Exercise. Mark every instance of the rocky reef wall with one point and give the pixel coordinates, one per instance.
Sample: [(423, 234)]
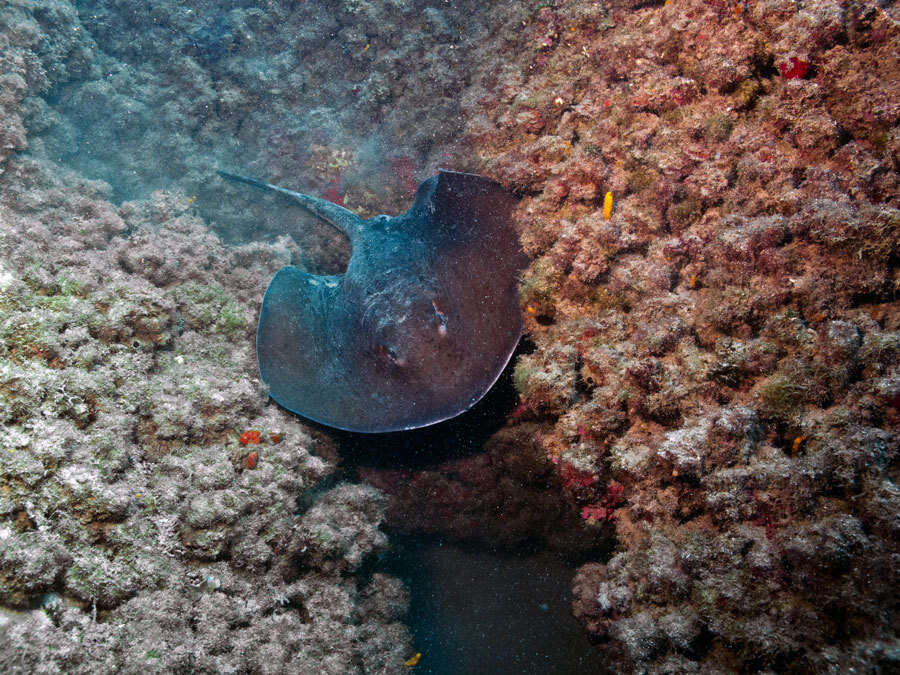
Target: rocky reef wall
[(709, 197), (715, 374)]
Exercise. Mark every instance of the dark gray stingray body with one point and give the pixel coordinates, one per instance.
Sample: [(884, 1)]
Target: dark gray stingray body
[(419, 326)]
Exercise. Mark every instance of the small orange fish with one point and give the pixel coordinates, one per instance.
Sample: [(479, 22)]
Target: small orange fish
[(414, 661)]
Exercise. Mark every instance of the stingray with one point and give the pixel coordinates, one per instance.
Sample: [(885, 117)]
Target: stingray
[(419, 326)]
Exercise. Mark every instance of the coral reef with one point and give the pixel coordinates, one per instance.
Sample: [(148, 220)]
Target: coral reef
[(709, 197), (148, 495), (715, 364)]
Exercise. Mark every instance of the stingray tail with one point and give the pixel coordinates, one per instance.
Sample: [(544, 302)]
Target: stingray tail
[(237, 178), (344, 220)]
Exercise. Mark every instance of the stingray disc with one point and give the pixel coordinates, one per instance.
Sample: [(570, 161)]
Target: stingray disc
[(419, 326)]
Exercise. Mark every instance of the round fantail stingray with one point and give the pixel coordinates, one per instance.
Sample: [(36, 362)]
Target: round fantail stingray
[(419, 326)]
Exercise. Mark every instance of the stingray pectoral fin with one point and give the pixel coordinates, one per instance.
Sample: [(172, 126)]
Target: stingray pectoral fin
[(343, 219), (294, 346), (457, 208)]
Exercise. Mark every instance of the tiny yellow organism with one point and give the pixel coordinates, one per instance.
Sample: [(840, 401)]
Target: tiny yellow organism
[(414, 661), (366, 48), (607, 206)]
